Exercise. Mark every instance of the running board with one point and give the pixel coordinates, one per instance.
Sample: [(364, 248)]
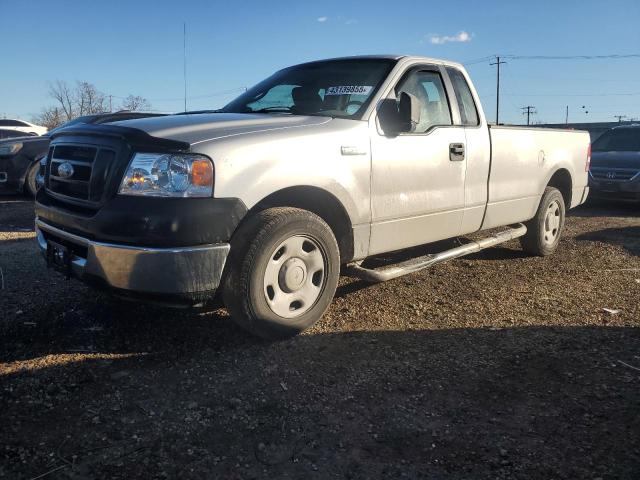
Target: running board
[(415, 264)]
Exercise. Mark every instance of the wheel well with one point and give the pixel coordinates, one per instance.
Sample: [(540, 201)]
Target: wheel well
[(562, 181), (323, 204), (25, 180)]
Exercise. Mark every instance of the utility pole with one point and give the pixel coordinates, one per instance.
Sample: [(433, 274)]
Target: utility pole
[(620, 117), (498, 63), (530, 110), (566, 116), (184, 51)]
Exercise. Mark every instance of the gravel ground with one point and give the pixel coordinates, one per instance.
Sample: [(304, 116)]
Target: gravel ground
[(493, 366)]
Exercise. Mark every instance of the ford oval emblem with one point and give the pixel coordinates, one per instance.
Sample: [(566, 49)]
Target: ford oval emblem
[(65, 170)]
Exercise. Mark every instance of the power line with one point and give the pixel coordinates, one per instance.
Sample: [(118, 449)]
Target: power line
[(625, 94), (572, 57), (498, 63), (614, 56), (529, 110), (195, 97), (478, 60)]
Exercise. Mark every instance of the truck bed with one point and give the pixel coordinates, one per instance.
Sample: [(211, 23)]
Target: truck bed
[(523, 160)]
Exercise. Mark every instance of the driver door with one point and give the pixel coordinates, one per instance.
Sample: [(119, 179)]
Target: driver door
[(417, 181)]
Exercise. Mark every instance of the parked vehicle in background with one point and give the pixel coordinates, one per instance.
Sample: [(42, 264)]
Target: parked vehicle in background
[(6, 133), (322, 164), (20, 157), (615, 164), (22, 126)]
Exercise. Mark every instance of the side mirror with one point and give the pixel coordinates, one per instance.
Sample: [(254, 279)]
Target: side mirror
[(409, 110), (399, 117)]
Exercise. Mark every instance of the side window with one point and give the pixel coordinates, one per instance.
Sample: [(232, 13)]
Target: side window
[(468, 110), (428, 88)]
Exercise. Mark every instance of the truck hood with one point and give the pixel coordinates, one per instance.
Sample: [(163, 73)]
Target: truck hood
[(197, 128), (615, 159)]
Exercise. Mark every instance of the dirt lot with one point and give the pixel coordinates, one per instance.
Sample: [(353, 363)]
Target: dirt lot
[(494, 366)]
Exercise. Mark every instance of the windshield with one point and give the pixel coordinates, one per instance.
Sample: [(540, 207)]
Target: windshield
[(334, 88), (618, 140)]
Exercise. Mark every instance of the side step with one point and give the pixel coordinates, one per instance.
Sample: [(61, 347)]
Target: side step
[(415, 264)]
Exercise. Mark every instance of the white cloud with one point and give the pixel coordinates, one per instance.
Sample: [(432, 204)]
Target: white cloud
[(460, 37), (323, 19), (351, 21)]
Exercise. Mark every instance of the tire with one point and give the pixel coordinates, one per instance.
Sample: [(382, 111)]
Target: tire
[(30, 185), (544, 230), (281, 273)]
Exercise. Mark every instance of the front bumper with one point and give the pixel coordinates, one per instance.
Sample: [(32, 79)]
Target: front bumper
[(185, 272)]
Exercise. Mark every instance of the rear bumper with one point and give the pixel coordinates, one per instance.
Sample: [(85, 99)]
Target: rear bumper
[(615, 189), (185, 272)]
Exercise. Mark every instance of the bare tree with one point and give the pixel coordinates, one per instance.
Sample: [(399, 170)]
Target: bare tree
[(135, 103), (50, 117), (83, 99), (89, 100), (63, 94)]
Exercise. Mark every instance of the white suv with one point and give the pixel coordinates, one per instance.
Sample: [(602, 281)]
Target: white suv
[(22, 126)]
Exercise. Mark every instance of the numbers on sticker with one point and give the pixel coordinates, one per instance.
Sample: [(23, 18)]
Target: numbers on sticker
[(349, 90)]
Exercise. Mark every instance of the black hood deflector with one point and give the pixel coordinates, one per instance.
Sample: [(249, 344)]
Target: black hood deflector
[(137, 139)]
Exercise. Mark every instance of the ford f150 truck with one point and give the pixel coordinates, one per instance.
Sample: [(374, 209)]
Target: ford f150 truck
[(322, 164)]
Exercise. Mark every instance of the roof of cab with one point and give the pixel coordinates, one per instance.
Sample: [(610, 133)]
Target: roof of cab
[(408, 58)]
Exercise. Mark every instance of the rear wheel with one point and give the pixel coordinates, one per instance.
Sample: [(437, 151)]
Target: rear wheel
[(544, 230), (282, 272), (30, 182)]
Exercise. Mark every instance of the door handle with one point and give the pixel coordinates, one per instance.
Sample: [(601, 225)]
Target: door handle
[(456, 152)]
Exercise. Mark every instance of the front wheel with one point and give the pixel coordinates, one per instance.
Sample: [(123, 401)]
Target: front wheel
[(282, 272), (544, 230)]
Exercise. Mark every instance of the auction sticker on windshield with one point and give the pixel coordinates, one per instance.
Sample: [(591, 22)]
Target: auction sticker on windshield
[(350, 89)]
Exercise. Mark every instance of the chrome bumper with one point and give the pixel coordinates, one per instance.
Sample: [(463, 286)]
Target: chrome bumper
[(184, 270)]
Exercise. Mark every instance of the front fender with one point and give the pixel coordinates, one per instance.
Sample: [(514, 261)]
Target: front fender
[(253, 167)]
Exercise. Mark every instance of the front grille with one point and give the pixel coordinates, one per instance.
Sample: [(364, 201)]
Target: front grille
[(614, 174), (79, 172)]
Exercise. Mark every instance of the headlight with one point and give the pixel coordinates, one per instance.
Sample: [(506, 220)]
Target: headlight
[(10, 148), (168, 175)]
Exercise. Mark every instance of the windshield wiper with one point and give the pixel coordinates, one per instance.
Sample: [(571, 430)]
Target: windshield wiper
[(271, 109), (196, 112)]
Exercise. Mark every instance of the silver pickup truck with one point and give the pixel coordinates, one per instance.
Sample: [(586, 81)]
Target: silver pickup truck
[(322, 164)]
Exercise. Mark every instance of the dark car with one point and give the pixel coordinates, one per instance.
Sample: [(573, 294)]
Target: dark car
[(615, 164), (6, 133), (20, 157)]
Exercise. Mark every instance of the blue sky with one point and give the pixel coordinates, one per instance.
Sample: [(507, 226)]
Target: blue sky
[(136, 47)]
